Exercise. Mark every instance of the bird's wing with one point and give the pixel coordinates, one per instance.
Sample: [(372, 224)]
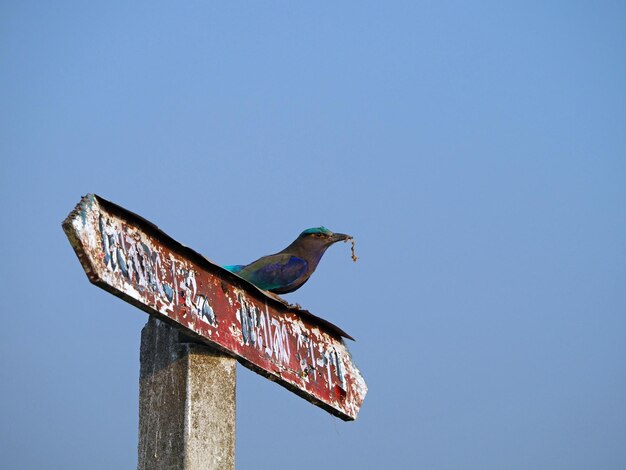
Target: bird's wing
[(275, 271)]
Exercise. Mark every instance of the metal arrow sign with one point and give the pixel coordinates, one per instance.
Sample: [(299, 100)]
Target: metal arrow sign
[(133, 259)]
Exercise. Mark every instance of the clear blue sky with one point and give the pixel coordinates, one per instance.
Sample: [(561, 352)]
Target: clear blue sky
[(476, 151)]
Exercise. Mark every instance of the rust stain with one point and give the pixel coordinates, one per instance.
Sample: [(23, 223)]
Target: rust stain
[(130, 257)]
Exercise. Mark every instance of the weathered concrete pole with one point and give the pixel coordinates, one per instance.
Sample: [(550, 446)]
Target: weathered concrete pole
[(186, 403)]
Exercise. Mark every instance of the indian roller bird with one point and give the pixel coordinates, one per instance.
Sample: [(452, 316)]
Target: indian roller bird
[(289, 269)]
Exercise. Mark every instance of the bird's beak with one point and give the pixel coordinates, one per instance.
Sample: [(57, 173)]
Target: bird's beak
[(337, 237)]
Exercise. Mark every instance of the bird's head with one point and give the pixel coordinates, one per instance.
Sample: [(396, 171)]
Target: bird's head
[(321, 237)]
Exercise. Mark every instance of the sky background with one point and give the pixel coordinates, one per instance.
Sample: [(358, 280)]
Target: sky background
[(475, 150)]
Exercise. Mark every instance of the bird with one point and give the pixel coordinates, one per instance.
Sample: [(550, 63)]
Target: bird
[(289, 269)]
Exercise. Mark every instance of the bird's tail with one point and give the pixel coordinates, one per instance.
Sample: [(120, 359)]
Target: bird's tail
[(234, 268)]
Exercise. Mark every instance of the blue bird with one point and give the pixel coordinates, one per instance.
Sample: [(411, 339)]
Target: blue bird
[(290, 268)]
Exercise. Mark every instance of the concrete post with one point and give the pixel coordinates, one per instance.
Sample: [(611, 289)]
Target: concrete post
[(186, 403)]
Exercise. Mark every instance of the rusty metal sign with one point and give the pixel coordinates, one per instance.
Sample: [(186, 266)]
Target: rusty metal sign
[(133, 259)]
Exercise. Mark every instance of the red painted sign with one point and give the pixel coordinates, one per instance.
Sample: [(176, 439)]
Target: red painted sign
[(131, 258)]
